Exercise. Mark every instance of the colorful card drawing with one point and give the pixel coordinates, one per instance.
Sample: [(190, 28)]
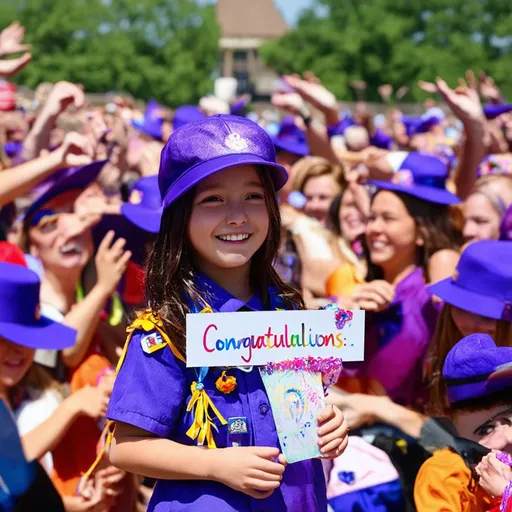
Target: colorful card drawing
[(296, 398)]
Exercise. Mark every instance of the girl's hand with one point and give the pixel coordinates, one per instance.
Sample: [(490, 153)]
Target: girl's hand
[(374, 296), (332, 432), (494, 475), (252, 470)]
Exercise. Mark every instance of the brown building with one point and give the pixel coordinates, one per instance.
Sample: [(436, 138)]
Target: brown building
[(245, 25)]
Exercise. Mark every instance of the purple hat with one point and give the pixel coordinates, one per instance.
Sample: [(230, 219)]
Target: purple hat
[(201, 149), (238, 107), (420, 175), (381, 139), (506, 225), (339, 128), (482, 282), (20, 321), (12, 148), (144, 206), (186, 114), (151, 123), (494, 111), (291, 138), (71, 178), (476, 367)]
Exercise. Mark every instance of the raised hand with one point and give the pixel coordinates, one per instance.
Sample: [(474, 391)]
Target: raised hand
[(11, 40), (488, 89), (312, 91), (291, 102), (62, 96), (111, 261), (385, 91), (76, 150), (12, 66)]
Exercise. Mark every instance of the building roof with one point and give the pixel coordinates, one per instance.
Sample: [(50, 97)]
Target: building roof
[(250, 18)]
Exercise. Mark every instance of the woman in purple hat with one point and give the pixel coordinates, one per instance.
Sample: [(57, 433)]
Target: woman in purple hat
[(217, 241), (408, 227)]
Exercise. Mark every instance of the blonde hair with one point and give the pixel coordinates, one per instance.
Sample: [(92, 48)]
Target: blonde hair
[(446, 336), (498, 191), (313, 166)]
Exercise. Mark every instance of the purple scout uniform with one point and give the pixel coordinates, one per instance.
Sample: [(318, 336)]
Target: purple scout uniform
[(151, 392), (397, 338)]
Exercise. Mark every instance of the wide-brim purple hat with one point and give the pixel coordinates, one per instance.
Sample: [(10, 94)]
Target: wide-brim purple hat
[(476, 367), (144, 206), (198, 150), (72, 178), (419, 175), (20, 321), (494, 111), (186, 114), (482, 282), (151, 127), (291, 138)]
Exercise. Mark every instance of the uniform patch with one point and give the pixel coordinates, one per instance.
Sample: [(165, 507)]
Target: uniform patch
[(152, 342), (237, 425)]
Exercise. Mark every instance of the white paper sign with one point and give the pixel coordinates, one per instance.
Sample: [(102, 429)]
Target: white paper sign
[(256, 338)]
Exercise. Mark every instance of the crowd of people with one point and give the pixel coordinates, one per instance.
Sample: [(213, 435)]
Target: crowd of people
[(116, 222)]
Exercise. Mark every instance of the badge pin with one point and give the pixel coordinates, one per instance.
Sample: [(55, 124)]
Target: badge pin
[(237, 425), (152, 342)]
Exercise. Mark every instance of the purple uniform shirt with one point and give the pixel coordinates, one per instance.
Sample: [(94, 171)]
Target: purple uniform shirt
[(151, 392), (397, 338)]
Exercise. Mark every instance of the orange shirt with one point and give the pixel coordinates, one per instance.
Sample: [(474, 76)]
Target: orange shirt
[(343, 281), (444, 484), (76, 452)]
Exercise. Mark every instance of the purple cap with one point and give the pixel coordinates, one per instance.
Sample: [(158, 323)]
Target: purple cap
[(423, 176), (482, 282), (186, 114), (20, 321), (476, 367), (494, 111), (291, 138), (144, 206), (200, 149), (506, 225), (71, 178), (341, 126)]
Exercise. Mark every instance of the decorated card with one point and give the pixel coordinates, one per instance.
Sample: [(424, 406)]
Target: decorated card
[(295, 389)]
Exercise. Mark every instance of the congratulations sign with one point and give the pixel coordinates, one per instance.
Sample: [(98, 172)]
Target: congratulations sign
[(255, 338)]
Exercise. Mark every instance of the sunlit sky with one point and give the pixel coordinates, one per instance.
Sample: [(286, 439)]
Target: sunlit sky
[(292, 8)]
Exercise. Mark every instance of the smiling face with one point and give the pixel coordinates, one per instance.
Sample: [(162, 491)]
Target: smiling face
[(481, 220), (229, 220), (15, 360), (352, 221), (61, 239), (319, 192), (391, 233)]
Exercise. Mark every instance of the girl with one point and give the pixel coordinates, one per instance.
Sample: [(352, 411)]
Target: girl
[(408, 224), (214, 252)]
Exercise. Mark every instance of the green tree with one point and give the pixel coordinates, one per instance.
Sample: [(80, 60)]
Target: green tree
[(165, 49), (396, 42)]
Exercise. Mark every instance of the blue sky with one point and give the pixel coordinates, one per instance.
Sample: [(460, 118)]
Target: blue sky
[(291, 8)]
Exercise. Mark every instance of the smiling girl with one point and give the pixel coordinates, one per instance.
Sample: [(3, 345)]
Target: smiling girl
[(218, 239)]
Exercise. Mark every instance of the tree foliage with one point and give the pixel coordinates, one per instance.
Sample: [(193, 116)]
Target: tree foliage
[(165, 49), (397, 42)]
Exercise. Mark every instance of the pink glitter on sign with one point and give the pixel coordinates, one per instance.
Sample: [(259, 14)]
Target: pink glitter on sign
[(342, 317)]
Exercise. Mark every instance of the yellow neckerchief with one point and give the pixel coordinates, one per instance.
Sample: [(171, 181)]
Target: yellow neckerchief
[(201, 428)]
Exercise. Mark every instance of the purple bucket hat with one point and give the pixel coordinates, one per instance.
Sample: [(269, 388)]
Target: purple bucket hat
[(476, 367), (206, 147), (482, 282), (20, 321), (144, 206), (186, 114), (420, 175), (151, 123), (72, 178), (291, 138)]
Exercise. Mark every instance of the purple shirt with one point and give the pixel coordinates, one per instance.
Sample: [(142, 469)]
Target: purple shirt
[(151, 392), (397, 338)]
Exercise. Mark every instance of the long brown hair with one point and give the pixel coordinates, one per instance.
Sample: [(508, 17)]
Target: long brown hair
[(445, 337), (170, 271), (435, 226)]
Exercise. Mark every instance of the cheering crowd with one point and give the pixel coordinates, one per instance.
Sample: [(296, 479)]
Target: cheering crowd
[(117, 221)]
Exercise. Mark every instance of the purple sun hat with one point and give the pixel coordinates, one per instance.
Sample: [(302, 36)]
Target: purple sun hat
[(71, 178), (152, 122), (291, 138), (186, 114), (482, 282), (20, 321), (144, 206), (200, 149), (476, 367), (420, 175), (494, 111)]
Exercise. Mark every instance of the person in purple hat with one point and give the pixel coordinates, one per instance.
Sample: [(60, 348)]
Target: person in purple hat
[(186, 114), (479, 390), (477, 298), (217, 241)]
